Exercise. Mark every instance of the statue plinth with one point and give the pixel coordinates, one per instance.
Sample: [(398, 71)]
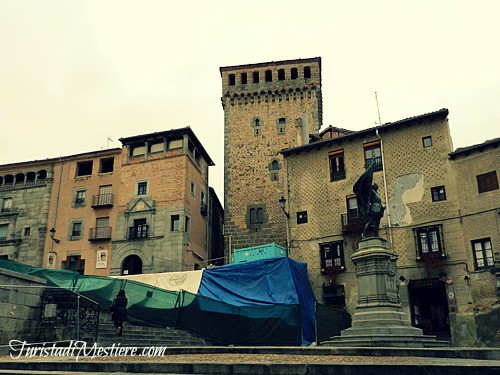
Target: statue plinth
[(379, 319)]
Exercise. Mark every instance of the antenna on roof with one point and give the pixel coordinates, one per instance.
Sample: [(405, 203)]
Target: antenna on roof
[(378, 110), (108, 140)]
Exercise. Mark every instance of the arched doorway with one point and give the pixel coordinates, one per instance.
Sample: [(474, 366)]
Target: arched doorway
[(132, 265)]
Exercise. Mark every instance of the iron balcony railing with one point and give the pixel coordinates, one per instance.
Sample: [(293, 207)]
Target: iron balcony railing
[(376, 162), (337, 175), (138, 232), (352, 224), (103, 200), (100, 234)]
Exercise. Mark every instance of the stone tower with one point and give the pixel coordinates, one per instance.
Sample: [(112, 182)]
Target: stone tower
[(267, 107)]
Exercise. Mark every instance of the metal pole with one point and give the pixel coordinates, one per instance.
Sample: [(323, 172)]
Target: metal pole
[(77, 315)]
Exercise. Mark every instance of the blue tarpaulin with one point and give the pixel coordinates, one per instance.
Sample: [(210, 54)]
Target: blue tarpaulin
[(279, 280)]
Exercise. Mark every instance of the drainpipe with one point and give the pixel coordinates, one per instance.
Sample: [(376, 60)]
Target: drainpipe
[(384, 177)]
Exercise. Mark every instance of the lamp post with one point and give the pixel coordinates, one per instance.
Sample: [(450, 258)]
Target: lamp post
[(282, 203)]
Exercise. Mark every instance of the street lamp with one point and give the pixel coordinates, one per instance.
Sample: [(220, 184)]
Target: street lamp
[(282, 202), (52, 232)]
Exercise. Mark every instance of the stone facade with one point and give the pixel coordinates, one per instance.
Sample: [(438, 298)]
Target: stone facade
[(162, 209), (25, 193), (267, 107), (19, 307), (422, 222)]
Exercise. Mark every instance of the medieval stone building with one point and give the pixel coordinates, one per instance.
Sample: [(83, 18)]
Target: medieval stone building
[(267, 107)]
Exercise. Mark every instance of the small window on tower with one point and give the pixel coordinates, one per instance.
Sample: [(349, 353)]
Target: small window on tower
[(307, 72), (255, 77), (232, 80), (294, 73), (243, 78), (281, 74), (269, 76)]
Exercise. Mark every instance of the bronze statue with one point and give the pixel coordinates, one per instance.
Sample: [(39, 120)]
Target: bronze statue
[(369, 202)]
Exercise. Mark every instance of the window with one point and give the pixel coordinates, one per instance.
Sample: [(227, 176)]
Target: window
[(137, 150), (76, 230), (302, 217), (256, 124), (281, 125), (107, 165), (256, 215), (156, 147), (174, 143), (192, 188), (373, 155), (74, 263), (352, 208), (102, 229), (483, 253), (186, 225), (255, 77), (7, 205), (269, 76), (487, 182), (105, 197), (80, 198), (294, 73), (243, 78), (232, 80), (275, 165), (27, 232), (281, 74), (174, 223), (332, 256), (139, 230), (429, 240), (337, 168), (438, 193), (307, 72), (4, 232), (84, 168), (427, 141), (142, 188)]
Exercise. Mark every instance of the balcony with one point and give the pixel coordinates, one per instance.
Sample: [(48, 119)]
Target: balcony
[(203, 209), (103, 200), (376, 162), (337, 175), (138, 232), (352, 224), (6, 211), (99, 234)]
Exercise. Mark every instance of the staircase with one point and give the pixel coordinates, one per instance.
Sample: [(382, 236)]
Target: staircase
[(140, 335)]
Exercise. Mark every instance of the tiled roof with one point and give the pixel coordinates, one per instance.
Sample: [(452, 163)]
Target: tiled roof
[(464, 151), (442, 113)]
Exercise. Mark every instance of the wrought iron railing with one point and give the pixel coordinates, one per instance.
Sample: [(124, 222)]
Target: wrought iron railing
[(68, 315), (337, 175), (103, 200), (100, 234), (376, 162), (138, 232)]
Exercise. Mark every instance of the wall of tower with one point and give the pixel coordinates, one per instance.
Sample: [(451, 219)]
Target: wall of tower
[(262, 116)]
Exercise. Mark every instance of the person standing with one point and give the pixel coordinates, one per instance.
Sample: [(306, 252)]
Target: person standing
[(118, 311)]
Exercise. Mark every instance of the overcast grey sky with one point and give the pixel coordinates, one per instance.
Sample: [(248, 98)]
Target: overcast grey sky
[(75, 72)]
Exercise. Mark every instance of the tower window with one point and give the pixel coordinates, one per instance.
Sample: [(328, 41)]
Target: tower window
[(243, 78), (294, 73), (269, 76), (232, 80), (281, 74), (307, 72), (84, 168), (255, 77)]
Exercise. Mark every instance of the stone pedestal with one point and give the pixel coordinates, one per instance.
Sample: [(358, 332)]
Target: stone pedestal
[(379, 319)]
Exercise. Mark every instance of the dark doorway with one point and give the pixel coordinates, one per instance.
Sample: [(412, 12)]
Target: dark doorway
[(132, 265), (429, 307)]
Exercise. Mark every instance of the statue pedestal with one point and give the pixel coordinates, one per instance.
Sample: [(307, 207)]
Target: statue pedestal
[(379, 319)]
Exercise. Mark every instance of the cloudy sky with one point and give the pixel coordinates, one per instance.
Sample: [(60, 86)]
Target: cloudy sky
[(74, 73)]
